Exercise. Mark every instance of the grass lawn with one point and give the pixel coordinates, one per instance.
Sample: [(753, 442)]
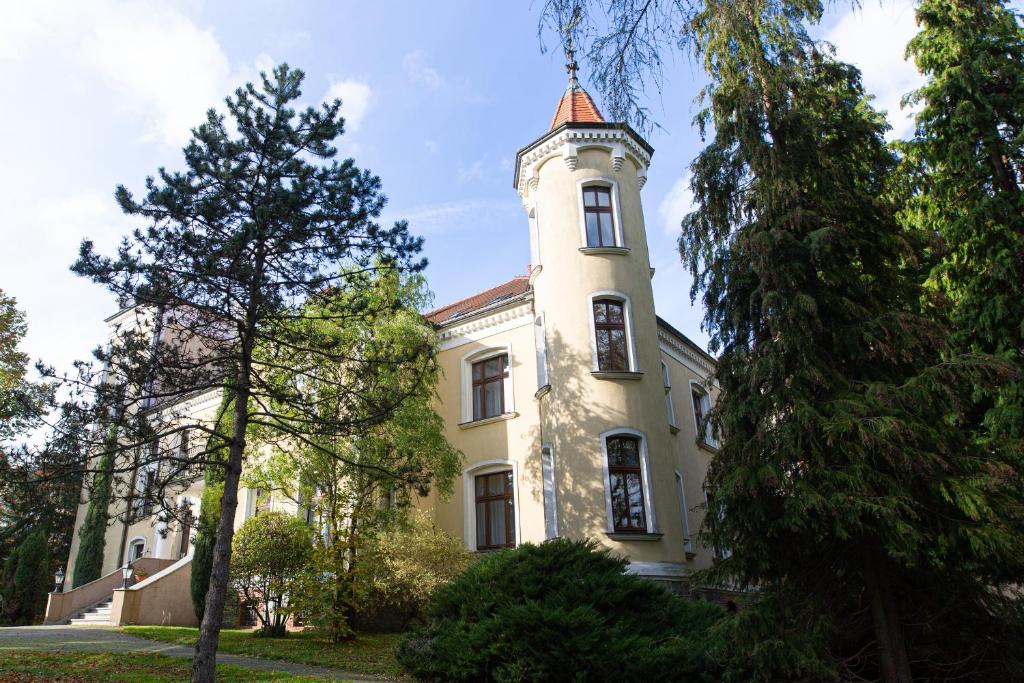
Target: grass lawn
[(372, 654), (22, 666)]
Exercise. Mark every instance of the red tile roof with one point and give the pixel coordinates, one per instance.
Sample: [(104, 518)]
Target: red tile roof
[(507, 290), (576, 106)]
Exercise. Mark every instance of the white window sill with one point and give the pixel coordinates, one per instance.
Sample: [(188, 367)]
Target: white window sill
[(488, 420), (604, 251), (607, 374), (634, 536)]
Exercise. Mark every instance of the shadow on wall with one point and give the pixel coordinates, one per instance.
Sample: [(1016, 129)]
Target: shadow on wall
[(571, 422)]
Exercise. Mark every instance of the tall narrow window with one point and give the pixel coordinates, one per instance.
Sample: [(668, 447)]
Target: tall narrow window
[(495, 511), (701, 408), (626, 484), (669, 407), (597, 212), (610, 335), (489, 387)]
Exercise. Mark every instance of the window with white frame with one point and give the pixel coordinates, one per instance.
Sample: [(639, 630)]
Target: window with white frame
[(487, 384), (701, 409), (669, 407)]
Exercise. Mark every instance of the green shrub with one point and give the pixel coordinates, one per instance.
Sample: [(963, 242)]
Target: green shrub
[(27, 580), (400, 568), (561, 611), (269, 553)]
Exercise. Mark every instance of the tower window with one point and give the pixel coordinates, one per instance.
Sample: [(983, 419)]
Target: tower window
[(610, 335), (701, 408), (597, 213), (489, 387), (626, 484)]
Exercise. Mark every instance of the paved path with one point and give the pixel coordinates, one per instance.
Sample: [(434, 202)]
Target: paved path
[(106, 639)]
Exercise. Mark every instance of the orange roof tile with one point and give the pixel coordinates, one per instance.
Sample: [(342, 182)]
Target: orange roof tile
[(507, 290), (576, 106)]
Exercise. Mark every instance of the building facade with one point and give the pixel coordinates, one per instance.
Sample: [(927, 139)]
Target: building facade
[(579, 411)]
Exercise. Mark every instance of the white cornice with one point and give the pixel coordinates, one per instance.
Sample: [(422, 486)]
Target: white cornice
[(620, 143), (681, 352), (485, 326)]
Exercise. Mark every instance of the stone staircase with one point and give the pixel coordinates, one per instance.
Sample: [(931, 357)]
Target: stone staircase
[(97, 615)]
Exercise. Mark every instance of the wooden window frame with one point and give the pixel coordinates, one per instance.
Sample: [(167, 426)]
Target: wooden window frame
[(507, 495), (624, 470), (609, 327), (503, 371), (599, 210)]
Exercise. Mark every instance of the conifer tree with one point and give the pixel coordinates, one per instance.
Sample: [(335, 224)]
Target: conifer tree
[(843, 482), (263, 217), (93, 532), (969, 155)]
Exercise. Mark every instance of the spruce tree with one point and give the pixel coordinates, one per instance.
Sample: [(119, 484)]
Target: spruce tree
[(844, 483), (969, 155)]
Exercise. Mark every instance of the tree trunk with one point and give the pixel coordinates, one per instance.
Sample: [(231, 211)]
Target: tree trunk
[(893, 660), (204, 661)]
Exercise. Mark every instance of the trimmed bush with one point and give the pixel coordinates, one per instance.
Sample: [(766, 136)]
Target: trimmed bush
[(560, 611)]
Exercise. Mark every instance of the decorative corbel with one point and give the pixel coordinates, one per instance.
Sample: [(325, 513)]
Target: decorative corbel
[(570, 156), (618, 156)]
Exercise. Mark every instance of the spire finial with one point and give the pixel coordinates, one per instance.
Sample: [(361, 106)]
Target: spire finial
[(570, 52)]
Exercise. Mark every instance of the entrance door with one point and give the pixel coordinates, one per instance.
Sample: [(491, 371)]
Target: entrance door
[(186, 533)]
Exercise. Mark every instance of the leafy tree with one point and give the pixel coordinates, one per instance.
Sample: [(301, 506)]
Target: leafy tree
[(385, 464), (27, 580), (968, 153), (560, 611), (270, 550), (20, 401), (260, 220)]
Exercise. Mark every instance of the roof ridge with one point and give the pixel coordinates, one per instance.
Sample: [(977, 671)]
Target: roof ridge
[(465, 299)]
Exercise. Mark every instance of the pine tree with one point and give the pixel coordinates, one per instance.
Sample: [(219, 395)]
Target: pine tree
[(260, 220), (843, 483), (969, 153)]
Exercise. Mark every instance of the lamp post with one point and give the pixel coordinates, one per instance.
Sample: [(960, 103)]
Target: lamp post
[(126, 572), (58, 580)]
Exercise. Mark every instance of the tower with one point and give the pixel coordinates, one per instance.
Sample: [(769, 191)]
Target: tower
[(606, 449)]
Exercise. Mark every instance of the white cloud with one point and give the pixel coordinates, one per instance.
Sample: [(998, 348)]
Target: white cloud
[(675, 205), (356, 98), (157, 62), (449, 216), (474, 171), (418, 71), (874, 38)]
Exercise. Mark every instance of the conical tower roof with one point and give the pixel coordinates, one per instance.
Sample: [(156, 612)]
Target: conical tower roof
[(576, 106)]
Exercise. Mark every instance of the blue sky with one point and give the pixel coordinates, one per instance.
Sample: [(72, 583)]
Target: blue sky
[(439, 97)]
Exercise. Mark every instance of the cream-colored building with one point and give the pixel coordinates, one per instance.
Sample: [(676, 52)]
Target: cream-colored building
[(579, 410)]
